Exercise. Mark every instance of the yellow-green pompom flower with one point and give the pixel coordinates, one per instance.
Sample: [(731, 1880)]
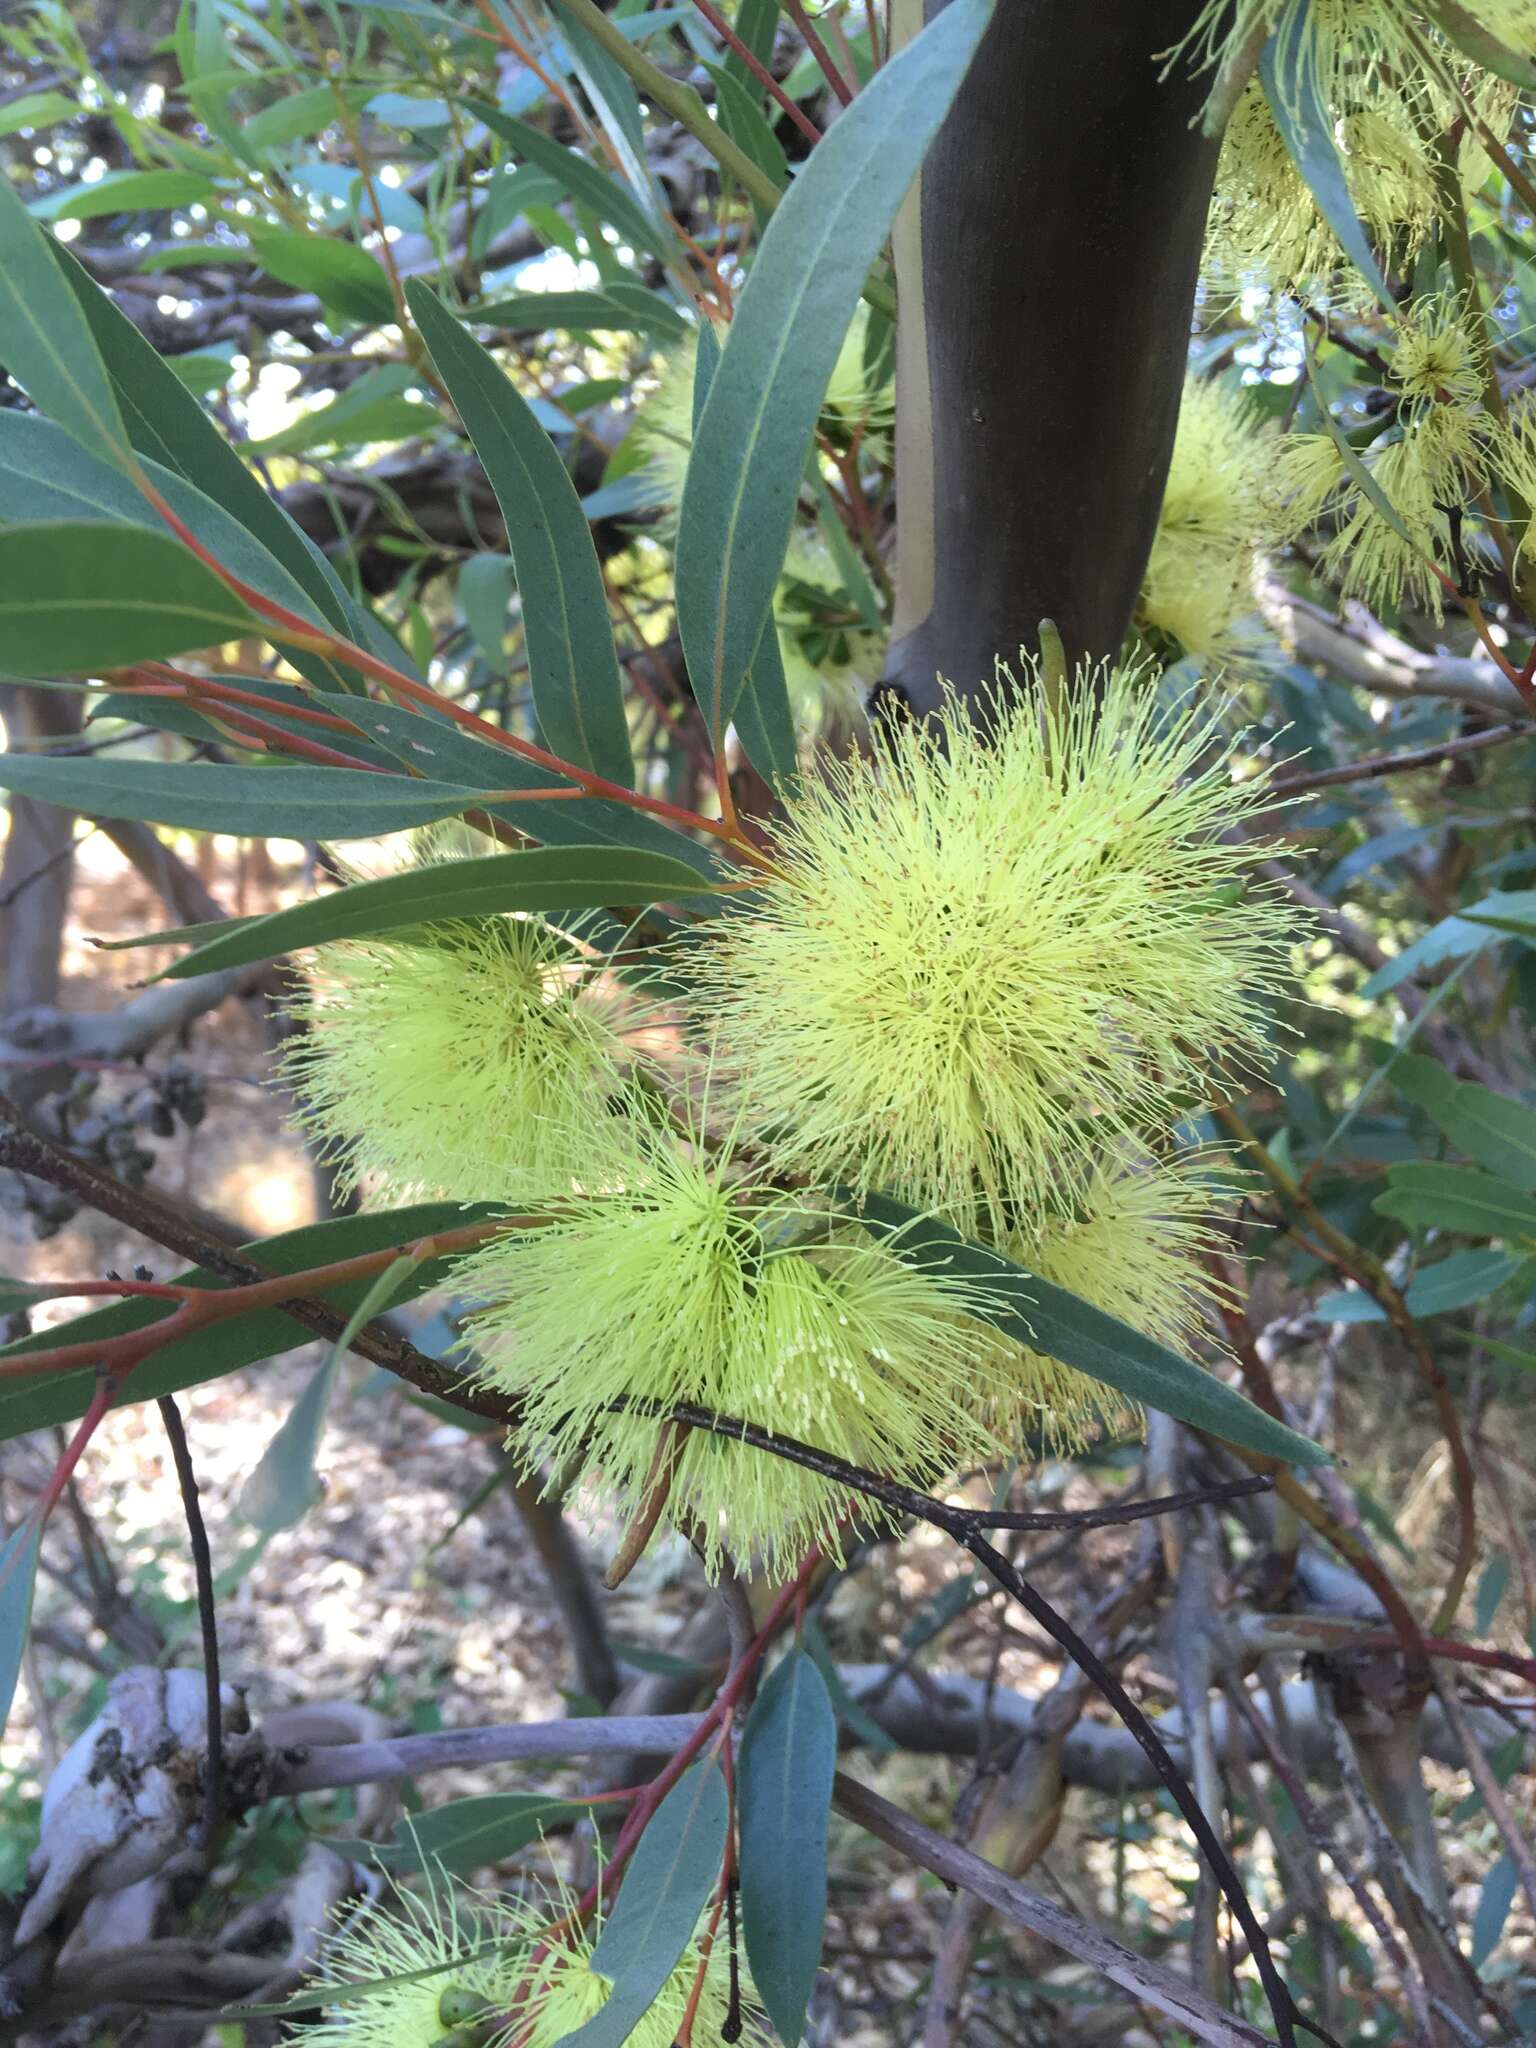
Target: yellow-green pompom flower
[(505, 1972), (1220, 509), (1266, 228), (981, 958), (1131, 1245), (462, 1941), (1436, 357), (473, 1060), (684, 1282), (832, 658), (1515, 457)]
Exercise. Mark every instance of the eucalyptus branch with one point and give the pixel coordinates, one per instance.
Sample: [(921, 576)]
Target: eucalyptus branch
[(202, 1564)]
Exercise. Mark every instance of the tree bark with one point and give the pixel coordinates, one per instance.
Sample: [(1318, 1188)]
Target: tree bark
[(1046, 269)]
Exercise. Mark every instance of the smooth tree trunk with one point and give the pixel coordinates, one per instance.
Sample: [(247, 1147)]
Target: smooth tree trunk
[(1046, 270)]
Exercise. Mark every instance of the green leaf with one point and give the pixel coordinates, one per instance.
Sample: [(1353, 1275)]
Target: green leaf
[(45, 342), (1463, 29), (1457, 1198), (38, 110), (345, 278), (1046, 1318), (125, 192), (466, 1834), (765, 724), (340, 275), (485, 598), (577, 691), (1494, 1130), (1453, 938), (1510, 1354), (284, 1487), (283, 701), (277, 802), (1493, 1582), (617, 309), (462, 757), (300, 114), (665, 1889), (18, 1578), (372, 409), (543, 878), (750, 449), (1288, 68), (48, 1398), (1494, 1902), (1451, 1283), (784, 1796), (46, 475), (739, 110), (81, 596), (1512, 911), (587, 185), (165, 422)]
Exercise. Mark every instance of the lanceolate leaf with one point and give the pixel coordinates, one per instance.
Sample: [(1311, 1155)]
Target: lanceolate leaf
[(1491, 1129), (1048, 1319), (18, 1577), (665, 1890), (1457, 1198), (259, 803), (544, 878), (577, 690), (617, 309), (80, 596), (585, 183), (764, 721), (49, 1398), (750, 449), (1460, 26), (458, 756), (46, 344), (1289, 70), (783, 1797), (164, 421), (283, 1486), (46, 475)]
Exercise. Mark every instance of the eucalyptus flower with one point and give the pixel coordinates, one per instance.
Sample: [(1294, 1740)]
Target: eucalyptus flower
[(473, 1060), (980, 958), (1220, 510), (688, 1281), (512, 1971), (1132, 1244)]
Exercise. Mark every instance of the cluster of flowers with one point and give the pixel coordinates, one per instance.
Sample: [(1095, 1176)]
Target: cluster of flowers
[(1394, 85), (460, 1969), (987, 976)]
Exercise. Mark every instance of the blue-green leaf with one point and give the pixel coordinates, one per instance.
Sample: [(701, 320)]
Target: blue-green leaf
[(124, 192), (1492, 1129), (1459, 26), (584, 181), (544, 878), (51, 1397), (284, 1487), (1047, 1318), (81, 596), (45, 342), (1457, 1198), (577, 690), (784, 1795), (459, 756), (750, 449), (276, 802), (1437, 1290), (18, 1577), (764, 722), (1494, 1902), (1288, 67), (665, 1890)]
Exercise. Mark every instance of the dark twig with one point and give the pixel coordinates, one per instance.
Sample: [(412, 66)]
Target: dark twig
[(202, 1565), (1376, 765), (965, 1525)]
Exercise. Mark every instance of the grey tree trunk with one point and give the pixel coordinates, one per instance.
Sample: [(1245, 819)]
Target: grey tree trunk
[(1046, 270)]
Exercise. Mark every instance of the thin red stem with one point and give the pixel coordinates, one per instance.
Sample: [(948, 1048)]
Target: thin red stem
[(795, 9), (758, 69)]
